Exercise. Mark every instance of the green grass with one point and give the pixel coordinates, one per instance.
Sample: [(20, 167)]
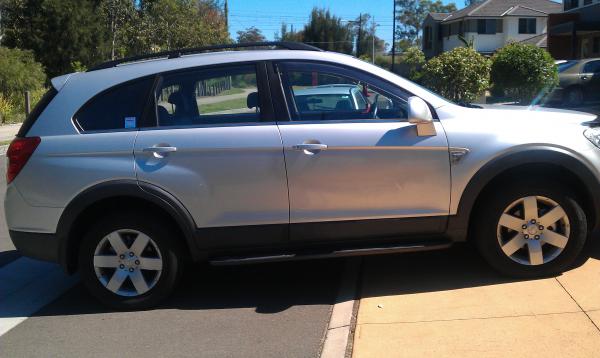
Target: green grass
[(223, 106)]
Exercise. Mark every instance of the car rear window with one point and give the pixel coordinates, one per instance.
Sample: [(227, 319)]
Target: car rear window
[(37, 110), (119, 108)]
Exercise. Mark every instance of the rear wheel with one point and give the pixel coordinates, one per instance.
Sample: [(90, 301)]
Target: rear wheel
[(129, 261), (529, 230)]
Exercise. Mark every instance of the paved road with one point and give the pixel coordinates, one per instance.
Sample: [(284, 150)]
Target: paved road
[(271, 310)]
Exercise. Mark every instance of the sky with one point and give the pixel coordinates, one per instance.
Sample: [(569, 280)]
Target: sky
[(267, 15)]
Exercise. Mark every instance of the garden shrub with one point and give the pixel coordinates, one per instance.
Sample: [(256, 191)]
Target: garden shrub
[(461, 74), (523, 71)]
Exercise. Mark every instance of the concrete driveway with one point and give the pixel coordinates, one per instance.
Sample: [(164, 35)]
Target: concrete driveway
[(451, 304)]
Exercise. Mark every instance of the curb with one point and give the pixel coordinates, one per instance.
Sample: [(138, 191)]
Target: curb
[(340, 323), (3, 149)]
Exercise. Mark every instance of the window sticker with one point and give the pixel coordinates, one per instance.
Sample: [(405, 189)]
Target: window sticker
[(130, 122)]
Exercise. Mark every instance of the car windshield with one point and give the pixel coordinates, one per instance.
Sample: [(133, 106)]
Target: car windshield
[(565, 66)]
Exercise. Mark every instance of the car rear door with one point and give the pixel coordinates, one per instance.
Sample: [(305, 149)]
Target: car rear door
[(591, 79), (353, 173), (215, 147)]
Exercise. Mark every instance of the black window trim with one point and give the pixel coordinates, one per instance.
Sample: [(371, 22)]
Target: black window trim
[(266, 112), (352, 73), (148, 121), (37, 111), (110, 89)]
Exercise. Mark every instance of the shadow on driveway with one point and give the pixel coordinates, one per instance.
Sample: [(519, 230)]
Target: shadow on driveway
[(267, 288), (456, 268)]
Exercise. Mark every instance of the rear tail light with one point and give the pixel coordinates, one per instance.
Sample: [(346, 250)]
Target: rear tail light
[(19, 152)]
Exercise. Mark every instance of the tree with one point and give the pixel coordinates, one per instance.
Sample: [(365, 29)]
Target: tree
[(289, 35), (412, 13), (327, 32), (119, 16), (251, 34), (414, 59), (170, 24), (364, 43), (19, 72), (460, 75), (58, 32), (523, 71)]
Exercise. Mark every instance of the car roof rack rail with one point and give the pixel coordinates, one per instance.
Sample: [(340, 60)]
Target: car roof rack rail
[(190, 51)]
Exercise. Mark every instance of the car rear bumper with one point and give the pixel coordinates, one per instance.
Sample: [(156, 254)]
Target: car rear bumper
[(36, 245)]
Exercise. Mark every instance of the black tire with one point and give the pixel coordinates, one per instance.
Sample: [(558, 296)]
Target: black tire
[(158, 231), (493, 206)]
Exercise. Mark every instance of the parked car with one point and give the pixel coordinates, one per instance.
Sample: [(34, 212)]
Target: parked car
[(579, 81), (128, 171)]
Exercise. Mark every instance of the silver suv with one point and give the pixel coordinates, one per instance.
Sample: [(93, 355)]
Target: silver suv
[(130, 170)]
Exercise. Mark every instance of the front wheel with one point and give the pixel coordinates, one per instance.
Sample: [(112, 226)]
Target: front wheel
[(129, 261), (529, 230)]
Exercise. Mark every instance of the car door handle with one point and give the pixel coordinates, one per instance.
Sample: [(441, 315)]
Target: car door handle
[(310, 146), (159, 151)]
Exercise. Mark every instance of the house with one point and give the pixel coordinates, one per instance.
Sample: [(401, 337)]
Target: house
[(575, 32), (490, 24)]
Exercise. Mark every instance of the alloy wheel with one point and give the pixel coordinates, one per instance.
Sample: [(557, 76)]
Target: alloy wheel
[(533, 230), (127, 262)]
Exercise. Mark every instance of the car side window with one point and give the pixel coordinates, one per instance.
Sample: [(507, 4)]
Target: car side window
[(216, 96), (592, 67), (119, 108), (316, 94)]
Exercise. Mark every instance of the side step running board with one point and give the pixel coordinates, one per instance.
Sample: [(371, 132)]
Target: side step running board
[(224, 261)]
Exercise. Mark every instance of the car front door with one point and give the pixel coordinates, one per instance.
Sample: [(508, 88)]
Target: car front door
[(358, 169), (213, 144)]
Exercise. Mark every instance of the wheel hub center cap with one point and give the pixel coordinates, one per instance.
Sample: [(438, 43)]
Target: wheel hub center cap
[(129, 261), (532, 229)]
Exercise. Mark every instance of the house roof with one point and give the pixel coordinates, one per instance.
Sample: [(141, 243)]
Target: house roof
[(499, 8), (439, 16), (540, 40)]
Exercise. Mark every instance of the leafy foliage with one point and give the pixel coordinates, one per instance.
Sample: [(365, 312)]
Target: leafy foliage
[(251, 34), (364, 42), (289, 35), (326, 31), (414, 59), (412, 13), (57, 31), (64, 32), (460, 75), (19, 72), (523, 71)]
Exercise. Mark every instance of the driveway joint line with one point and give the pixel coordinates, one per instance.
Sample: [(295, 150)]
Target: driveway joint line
[(577, 303), (470, 319)]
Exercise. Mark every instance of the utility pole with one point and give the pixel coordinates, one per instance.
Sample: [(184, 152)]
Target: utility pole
[(226, 12), (359, 35), (394, 37), (373, 30)]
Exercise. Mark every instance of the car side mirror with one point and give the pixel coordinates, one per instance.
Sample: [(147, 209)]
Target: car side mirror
[(420, 114)]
